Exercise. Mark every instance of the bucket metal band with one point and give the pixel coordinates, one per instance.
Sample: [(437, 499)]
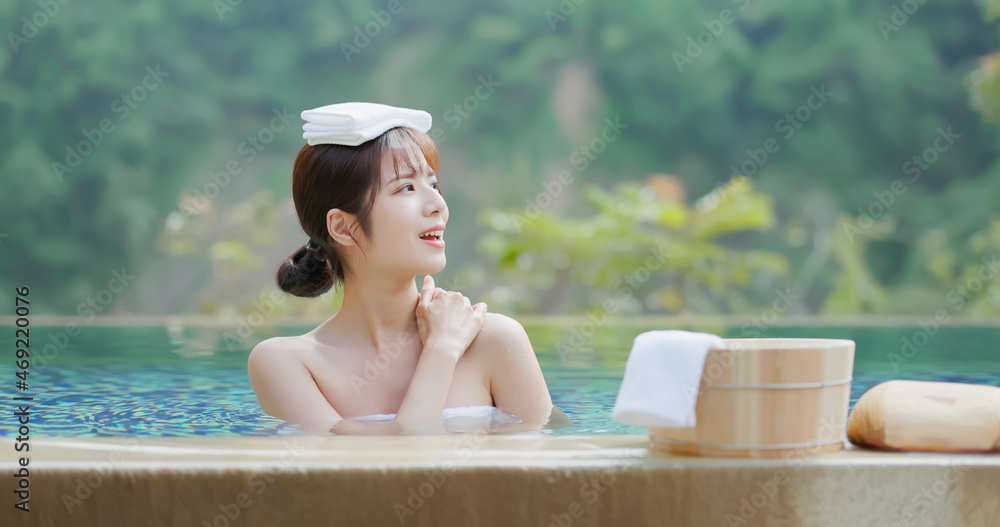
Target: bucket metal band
[(778, 446), (779, 386)]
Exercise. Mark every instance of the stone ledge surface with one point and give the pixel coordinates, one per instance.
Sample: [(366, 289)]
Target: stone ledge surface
[(470, 479)]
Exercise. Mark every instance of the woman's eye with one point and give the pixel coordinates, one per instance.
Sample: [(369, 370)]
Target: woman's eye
[(435, 184)]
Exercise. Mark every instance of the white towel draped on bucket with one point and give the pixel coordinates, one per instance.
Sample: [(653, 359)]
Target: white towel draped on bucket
[(662, 375), (353, 123)]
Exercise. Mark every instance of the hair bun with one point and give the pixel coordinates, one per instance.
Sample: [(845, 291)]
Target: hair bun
[(311, 249), (302, 276)]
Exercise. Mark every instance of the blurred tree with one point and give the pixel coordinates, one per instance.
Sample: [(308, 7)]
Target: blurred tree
[(146, 103), (639, 251)]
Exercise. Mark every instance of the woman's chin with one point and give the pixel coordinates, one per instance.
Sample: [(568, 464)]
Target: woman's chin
[(429, 266)]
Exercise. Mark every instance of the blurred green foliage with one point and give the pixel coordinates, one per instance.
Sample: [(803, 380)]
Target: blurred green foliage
[(855, 290), (635, 237), (518, 92)]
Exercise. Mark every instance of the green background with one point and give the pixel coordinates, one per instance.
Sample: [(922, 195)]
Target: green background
[(696, 84)]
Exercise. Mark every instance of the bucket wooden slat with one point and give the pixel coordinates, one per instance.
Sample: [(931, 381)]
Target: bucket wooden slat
[(768, 398)]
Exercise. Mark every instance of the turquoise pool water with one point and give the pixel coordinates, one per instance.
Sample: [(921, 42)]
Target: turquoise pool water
[(159, 381)]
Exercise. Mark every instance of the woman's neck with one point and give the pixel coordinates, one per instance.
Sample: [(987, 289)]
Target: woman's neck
[(377, 313)]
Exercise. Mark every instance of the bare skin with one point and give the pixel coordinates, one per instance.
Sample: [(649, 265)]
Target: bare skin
[(333, 377), (392, 349)]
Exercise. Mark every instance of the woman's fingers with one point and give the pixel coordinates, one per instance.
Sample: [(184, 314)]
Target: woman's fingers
[(435, 299), (427, 291)]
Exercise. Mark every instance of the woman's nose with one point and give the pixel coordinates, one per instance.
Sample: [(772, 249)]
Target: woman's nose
[(436, 201)]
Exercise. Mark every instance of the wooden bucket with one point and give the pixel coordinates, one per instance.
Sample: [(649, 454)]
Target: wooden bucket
[(765, 398)]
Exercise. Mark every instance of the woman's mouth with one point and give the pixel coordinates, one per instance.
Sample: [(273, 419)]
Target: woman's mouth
[(434, 239)]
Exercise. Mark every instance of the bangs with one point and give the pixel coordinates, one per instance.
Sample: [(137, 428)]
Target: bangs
[(411, 150)]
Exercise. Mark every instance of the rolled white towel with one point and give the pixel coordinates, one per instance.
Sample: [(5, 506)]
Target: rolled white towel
[(662, 376), (353, 123)]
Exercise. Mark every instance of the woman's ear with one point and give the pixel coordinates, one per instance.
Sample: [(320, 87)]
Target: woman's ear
[(339, 225)]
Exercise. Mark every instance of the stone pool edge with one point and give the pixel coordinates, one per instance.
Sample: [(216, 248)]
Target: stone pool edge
[(521, 479)]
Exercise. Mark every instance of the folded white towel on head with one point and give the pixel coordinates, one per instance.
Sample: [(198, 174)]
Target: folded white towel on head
[(662, 376), (353, 123)]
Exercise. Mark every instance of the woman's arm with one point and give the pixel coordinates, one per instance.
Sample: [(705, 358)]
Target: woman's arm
[(422, 406), (285, 388), (516, 381), (517, 385), (448, 324), (427, 393)]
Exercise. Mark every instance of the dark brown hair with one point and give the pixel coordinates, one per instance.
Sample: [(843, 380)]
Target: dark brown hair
[(347, 178)]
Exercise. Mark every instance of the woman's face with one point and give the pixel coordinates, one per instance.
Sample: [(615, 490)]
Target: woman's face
[(408, 205)]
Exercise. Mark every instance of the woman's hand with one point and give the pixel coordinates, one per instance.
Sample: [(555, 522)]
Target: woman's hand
[(448, 318)]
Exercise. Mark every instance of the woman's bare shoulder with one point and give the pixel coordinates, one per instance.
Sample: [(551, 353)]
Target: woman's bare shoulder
[(499, 326), (281, 343), (279, 348), (499, 332), (284, 384)]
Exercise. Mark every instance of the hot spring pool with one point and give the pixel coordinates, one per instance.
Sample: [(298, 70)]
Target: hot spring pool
[(186, 381)]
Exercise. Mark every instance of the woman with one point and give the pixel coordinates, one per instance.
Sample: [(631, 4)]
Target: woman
[(375, 217)]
